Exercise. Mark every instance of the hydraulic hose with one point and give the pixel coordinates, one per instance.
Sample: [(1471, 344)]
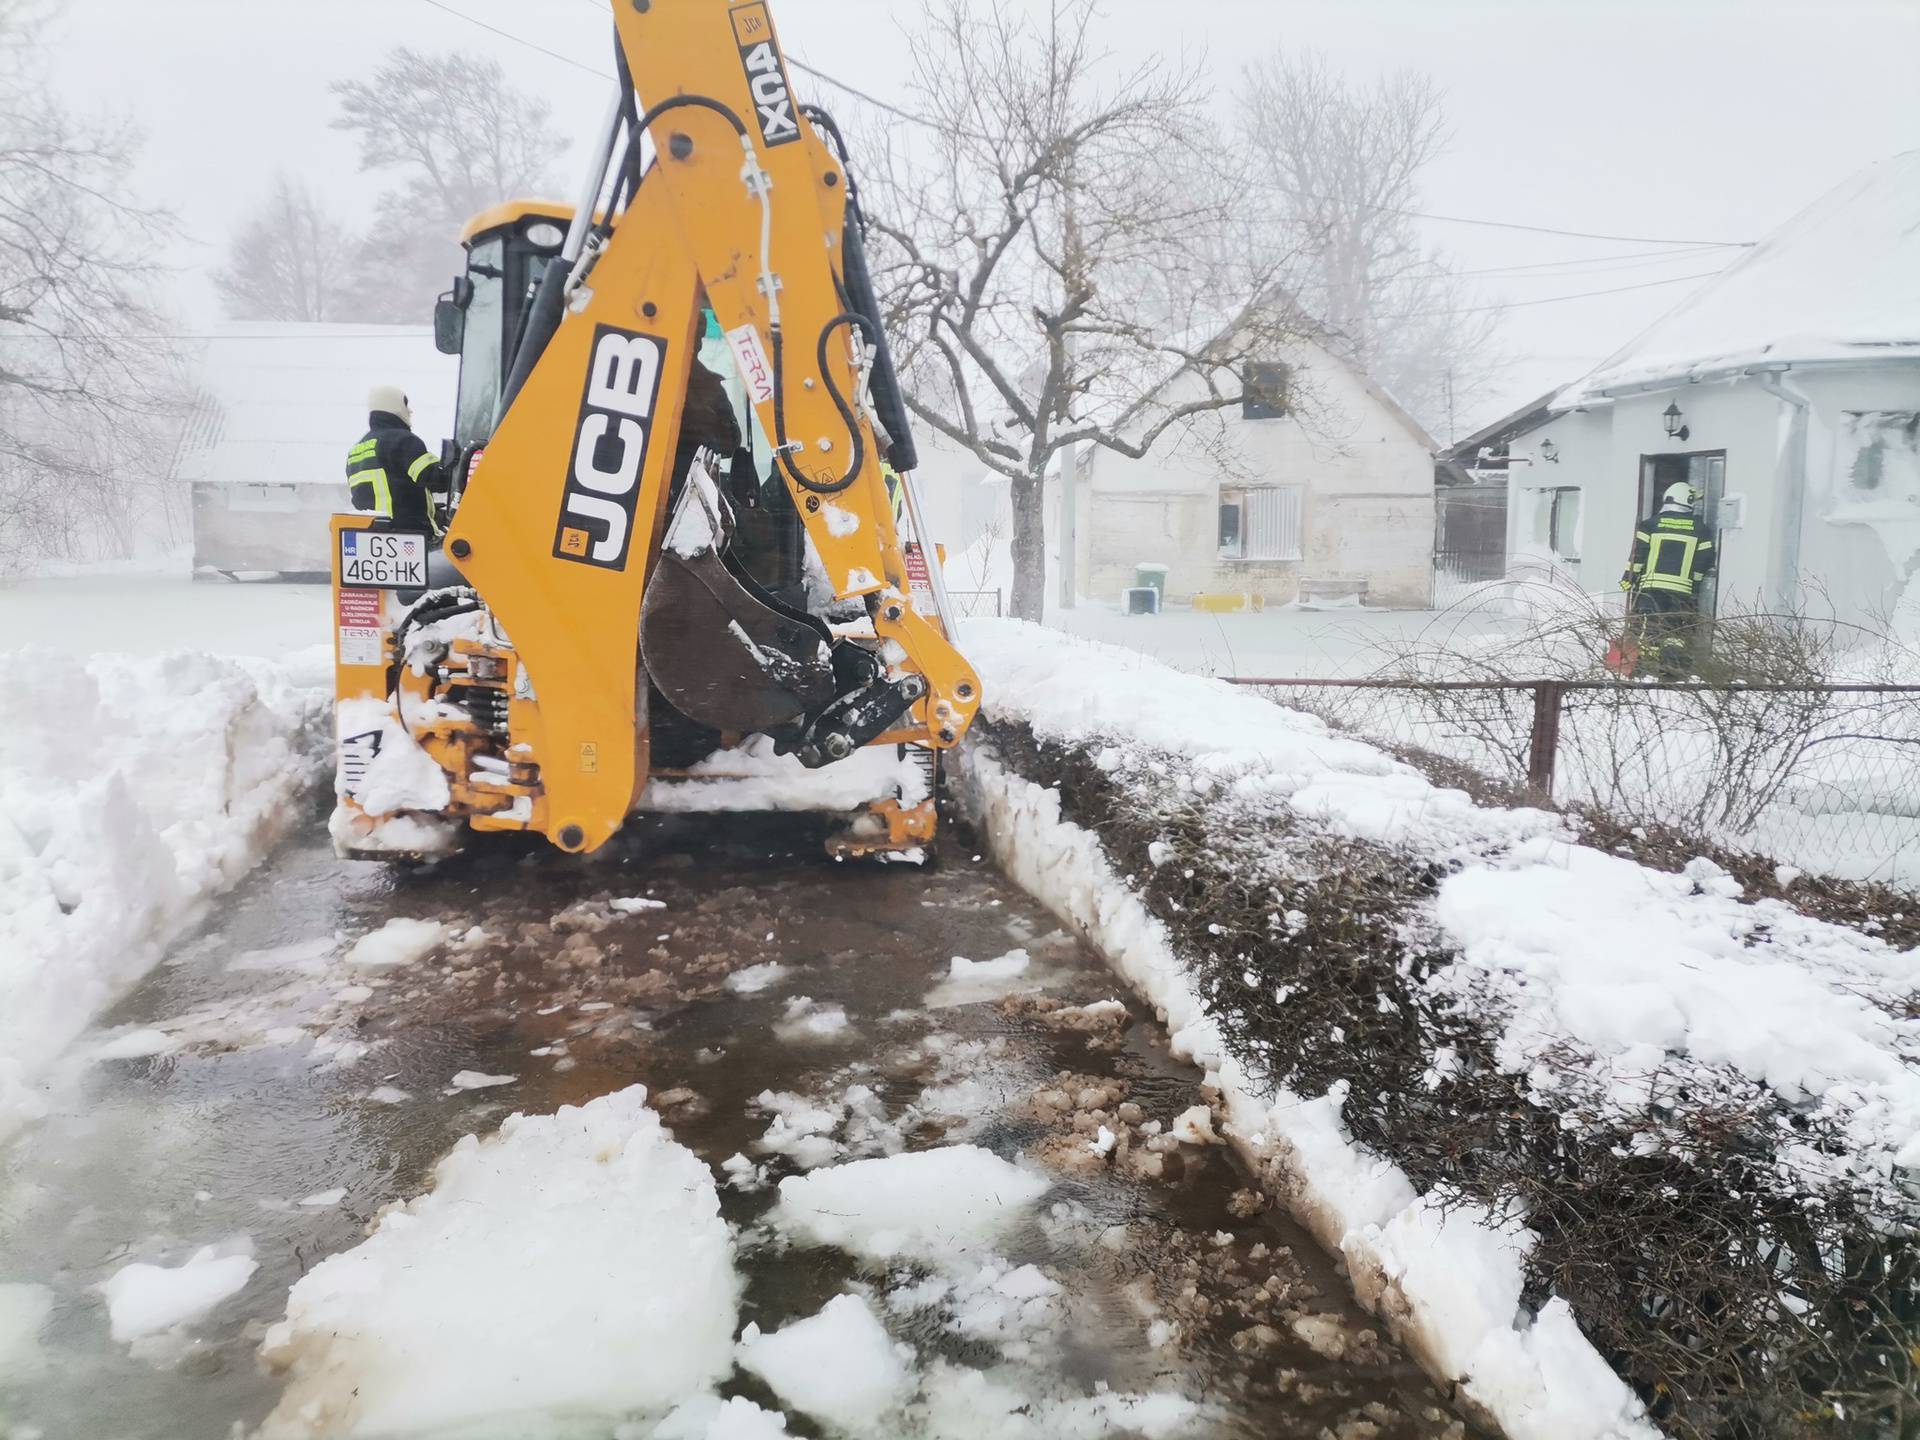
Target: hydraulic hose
[(840, 403)]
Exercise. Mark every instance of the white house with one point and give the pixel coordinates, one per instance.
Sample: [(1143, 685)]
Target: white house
[(280, 406), (1331, 493), (1787, 390)]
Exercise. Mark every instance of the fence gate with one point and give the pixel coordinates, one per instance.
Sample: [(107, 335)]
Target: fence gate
[(1470, 539)]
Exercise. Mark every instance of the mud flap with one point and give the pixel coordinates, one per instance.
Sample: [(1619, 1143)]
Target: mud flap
[(720, 654)]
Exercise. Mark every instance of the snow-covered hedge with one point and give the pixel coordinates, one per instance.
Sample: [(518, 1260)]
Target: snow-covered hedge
[(134, 789), (1550, 1104)]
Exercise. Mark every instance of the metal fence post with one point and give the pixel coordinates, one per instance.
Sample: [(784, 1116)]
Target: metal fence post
[(1543, 746)]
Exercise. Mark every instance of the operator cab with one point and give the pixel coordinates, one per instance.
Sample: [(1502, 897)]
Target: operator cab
[(482, 317), (482, 320)]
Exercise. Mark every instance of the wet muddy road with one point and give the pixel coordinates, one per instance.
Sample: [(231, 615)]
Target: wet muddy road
[(784, 1012)]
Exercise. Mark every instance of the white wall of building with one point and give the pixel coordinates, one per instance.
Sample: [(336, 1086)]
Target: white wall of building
[(1367, 509)]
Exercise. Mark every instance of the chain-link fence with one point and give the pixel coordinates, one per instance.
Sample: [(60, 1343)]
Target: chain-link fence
[(1825, 778), (978, 604)]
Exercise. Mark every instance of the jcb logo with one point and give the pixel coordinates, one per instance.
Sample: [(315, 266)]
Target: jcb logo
[(759, 53), (610, 449)]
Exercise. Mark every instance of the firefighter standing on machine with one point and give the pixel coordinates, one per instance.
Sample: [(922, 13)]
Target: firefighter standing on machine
[(1672, 557), (390, 471)]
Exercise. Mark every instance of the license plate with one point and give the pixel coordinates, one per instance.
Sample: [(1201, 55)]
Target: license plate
[(383, 560)]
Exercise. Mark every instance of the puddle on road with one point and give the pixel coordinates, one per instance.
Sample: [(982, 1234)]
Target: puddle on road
[(1172, 1279)]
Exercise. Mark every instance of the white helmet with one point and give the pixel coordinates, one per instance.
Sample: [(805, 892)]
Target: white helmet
[(393, 400), (1679, 496)]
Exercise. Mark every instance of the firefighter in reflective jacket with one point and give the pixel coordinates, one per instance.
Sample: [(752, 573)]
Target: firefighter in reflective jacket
[(1672, 556), (390, 470)]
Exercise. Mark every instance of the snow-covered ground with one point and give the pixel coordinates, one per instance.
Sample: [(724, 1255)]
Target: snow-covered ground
[(135, 789), (1283, 643), (1611, 971), (152, 613)]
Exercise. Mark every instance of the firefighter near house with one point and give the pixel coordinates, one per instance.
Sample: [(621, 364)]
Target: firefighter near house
[(1673, 556)]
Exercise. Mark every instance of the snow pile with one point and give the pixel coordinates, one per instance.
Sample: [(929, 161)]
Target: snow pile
[(923, 1203), (754, 778), (572, 1264), (144, 1300), (135, 789), (1641, 983), (1569, 952)]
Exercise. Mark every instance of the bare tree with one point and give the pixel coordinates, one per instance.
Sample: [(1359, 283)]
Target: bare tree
[(290, 261), (460, 138), (1056, 247), (1341, 165), (78, 349)]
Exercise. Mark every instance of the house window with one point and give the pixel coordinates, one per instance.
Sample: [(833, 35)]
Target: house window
[(1264, 395), (1556, 521), (1262, 524), (1233, 524), (1880, 455)]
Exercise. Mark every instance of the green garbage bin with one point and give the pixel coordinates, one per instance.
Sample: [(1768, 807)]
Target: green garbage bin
[(1154, 577)]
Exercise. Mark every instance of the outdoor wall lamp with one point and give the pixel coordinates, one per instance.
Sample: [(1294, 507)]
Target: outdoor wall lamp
[(1549, 452), (1674, 428)]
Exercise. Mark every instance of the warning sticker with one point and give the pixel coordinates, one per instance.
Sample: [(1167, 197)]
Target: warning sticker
[(361, 627), (919, 582)]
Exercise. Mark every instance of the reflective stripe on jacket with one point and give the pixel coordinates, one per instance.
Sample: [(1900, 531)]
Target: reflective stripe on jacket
[(391, 473), (1670, 554)]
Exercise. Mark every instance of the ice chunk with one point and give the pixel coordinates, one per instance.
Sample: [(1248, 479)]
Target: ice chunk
[(474, 1080), (923, 1202), (635, 905), (135, 1045), (305, 956), (572, 1264), (325, 1199), (147, 1299), (707, 1417), (396, 943), (808, 1019), (839, 1366), (970, 981), (755, 978)]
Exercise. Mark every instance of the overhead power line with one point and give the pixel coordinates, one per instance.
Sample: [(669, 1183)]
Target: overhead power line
[(518, 39), (1575, 234), (421, 334), (1552, 299), (912, 118)]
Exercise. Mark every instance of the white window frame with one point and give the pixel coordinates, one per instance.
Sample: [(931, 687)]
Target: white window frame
[(1272, 523), (1234, 499)]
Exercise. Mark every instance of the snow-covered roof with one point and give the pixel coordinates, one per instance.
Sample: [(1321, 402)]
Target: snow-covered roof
[(1840, 281), (286, 401)]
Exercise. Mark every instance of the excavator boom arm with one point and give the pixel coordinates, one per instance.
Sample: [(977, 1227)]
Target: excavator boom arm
[(564, 526)]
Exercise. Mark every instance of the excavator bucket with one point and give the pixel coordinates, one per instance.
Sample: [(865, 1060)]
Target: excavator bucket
[(723, 655)]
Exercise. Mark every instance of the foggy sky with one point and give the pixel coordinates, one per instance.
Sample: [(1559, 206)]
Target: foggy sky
[(1681, 119)]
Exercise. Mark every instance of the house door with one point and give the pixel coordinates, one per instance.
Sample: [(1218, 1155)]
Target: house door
[(1705, 471)]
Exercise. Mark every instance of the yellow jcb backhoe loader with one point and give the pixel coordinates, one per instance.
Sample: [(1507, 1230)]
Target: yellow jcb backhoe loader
[(623, 589)]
